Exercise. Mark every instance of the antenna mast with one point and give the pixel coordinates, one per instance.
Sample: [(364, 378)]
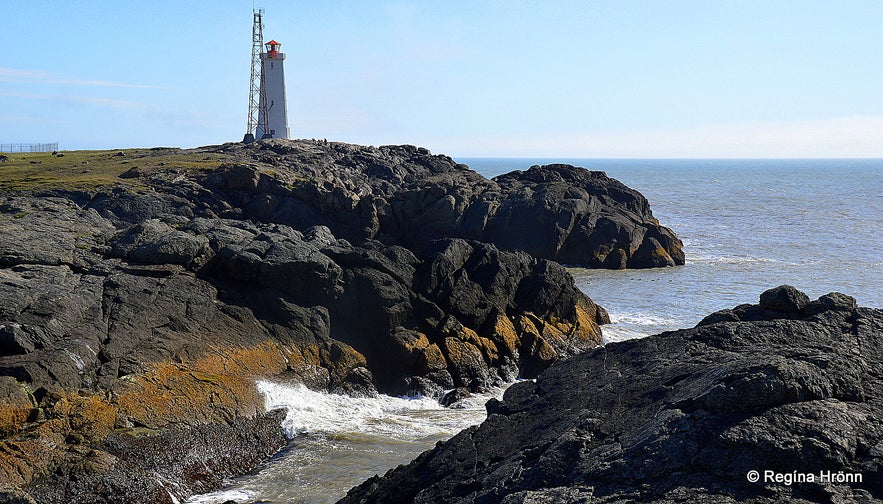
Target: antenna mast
[(257, 98)]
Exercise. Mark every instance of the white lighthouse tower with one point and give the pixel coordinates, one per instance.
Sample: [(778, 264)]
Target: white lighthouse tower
[(267, 109), (273, 75)]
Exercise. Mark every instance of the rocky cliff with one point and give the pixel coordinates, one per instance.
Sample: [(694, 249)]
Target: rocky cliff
[(143, 292), (403, 195), (790, 388)]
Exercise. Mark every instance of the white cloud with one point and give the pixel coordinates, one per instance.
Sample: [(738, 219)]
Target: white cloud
[(24, 119), (17, 75), (90, 100), (852, 136)]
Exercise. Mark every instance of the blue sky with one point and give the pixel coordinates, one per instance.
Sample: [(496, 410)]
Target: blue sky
[(516, 78)]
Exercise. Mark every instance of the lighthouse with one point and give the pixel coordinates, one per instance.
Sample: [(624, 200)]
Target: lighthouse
[(273, 89), (267, 109)]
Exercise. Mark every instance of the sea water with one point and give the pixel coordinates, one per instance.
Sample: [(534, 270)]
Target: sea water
[(747, 226), (338, 441)]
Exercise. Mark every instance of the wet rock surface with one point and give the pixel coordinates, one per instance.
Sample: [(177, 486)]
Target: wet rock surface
[(783, 387), (135, 320)]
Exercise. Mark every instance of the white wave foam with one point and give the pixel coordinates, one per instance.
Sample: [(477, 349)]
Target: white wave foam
[(308, 411), (734, 259), (714, 259), (614, 334), (626, 326), (222, 496), (641, 319)]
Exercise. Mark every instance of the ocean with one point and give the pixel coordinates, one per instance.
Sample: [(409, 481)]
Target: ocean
[(747, 226)]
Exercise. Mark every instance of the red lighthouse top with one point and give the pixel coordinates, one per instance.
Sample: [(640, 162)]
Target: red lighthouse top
[(272, 49)]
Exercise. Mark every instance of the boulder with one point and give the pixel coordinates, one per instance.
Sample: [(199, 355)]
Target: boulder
[(783, 302), (155, 242), (784, 298), (452, 396), (134, 172)]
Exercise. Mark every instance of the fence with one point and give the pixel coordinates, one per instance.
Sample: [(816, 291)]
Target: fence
[(43, 147)]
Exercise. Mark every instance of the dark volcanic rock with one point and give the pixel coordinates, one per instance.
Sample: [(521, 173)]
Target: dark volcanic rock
[(155, 242), (680, 417), (463, 314), (135, 318), (133, 326), (784, 298), (576, 216), (188, 459), (404, 195), (466, 313)]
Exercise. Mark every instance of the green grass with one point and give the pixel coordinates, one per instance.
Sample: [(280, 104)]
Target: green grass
[(91, 169)]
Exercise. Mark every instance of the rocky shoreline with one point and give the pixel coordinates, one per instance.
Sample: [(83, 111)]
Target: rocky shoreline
[(137, 315), (403, 195), (780, 401)]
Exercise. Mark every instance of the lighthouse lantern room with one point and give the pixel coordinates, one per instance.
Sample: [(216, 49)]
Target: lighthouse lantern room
[(273, 49)]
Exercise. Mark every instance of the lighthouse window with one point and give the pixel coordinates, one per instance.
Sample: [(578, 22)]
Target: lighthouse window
[(271, 64)]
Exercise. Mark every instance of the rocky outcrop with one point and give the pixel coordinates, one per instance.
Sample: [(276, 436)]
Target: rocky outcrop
[(580, 217), (143, 465), (404, 195), (462, 314), (790, 388), (130, 351)]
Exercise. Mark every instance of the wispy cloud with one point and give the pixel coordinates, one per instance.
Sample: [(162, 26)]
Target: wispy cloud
[(90, 100), (18, 75), (22, 119), (849, 136)]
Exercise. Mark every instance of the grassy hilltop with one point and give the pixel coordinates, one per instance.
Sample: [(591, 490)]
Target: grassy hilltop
[(89, 169)]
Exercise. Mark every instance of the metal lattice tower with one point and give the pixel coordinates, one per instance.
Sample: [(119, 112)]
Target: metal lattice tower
[(257, 99)]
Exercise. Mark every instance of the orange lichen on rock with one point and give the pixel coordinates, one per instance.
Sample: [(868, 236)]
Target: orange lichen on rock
[(581, 329), (31, 452), (587, 320), (409, 346), (504, 332), (432, 359), (217, 387), (16, 405), (91, 416), (21, 459), (260, 360)]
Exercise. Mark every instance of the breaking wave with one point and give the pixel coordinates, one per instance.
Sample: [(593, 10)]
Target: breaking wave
[(308, 411), (625, 326), (337, 441)]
